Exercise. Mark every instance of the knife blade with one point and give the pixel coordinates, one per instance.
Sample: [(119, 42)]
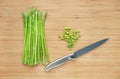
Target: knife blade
[(74, 55)]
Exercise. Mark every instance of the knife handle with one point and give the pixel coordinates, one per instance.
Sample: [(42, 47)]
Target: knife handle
[(59, 62)]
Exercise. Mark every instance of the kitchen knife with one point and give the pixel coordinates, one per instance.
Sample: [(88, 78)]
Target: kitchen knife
[(74, 55)]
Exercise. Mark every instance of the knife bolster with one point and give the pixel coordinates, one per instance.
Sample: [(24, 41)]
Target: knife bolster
[(72, 57)]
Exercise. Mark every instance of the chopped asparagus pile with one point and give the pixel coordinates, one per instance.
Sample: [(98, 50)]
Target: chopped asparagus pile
[(70, 37), (35, 49)]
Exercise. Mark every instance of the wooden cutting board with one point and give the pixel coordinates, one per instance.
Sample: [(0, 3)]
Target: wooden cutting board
[(95, 19)]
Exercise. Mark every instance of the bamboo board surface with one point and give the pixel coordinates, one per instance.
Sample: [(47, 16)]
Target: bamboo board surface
[(96, 19)]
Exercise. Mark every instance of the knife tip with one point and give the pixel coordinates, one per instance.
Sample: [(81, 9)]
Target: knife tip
[(106, 39)]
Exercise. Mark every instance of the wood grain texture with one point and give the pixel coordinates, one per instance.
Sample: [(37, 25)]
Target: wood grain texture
[(96, 19)]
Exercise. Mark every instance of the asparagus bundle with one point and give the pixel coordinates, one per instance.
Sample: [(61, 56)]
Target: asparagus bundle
[(35, 49)]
